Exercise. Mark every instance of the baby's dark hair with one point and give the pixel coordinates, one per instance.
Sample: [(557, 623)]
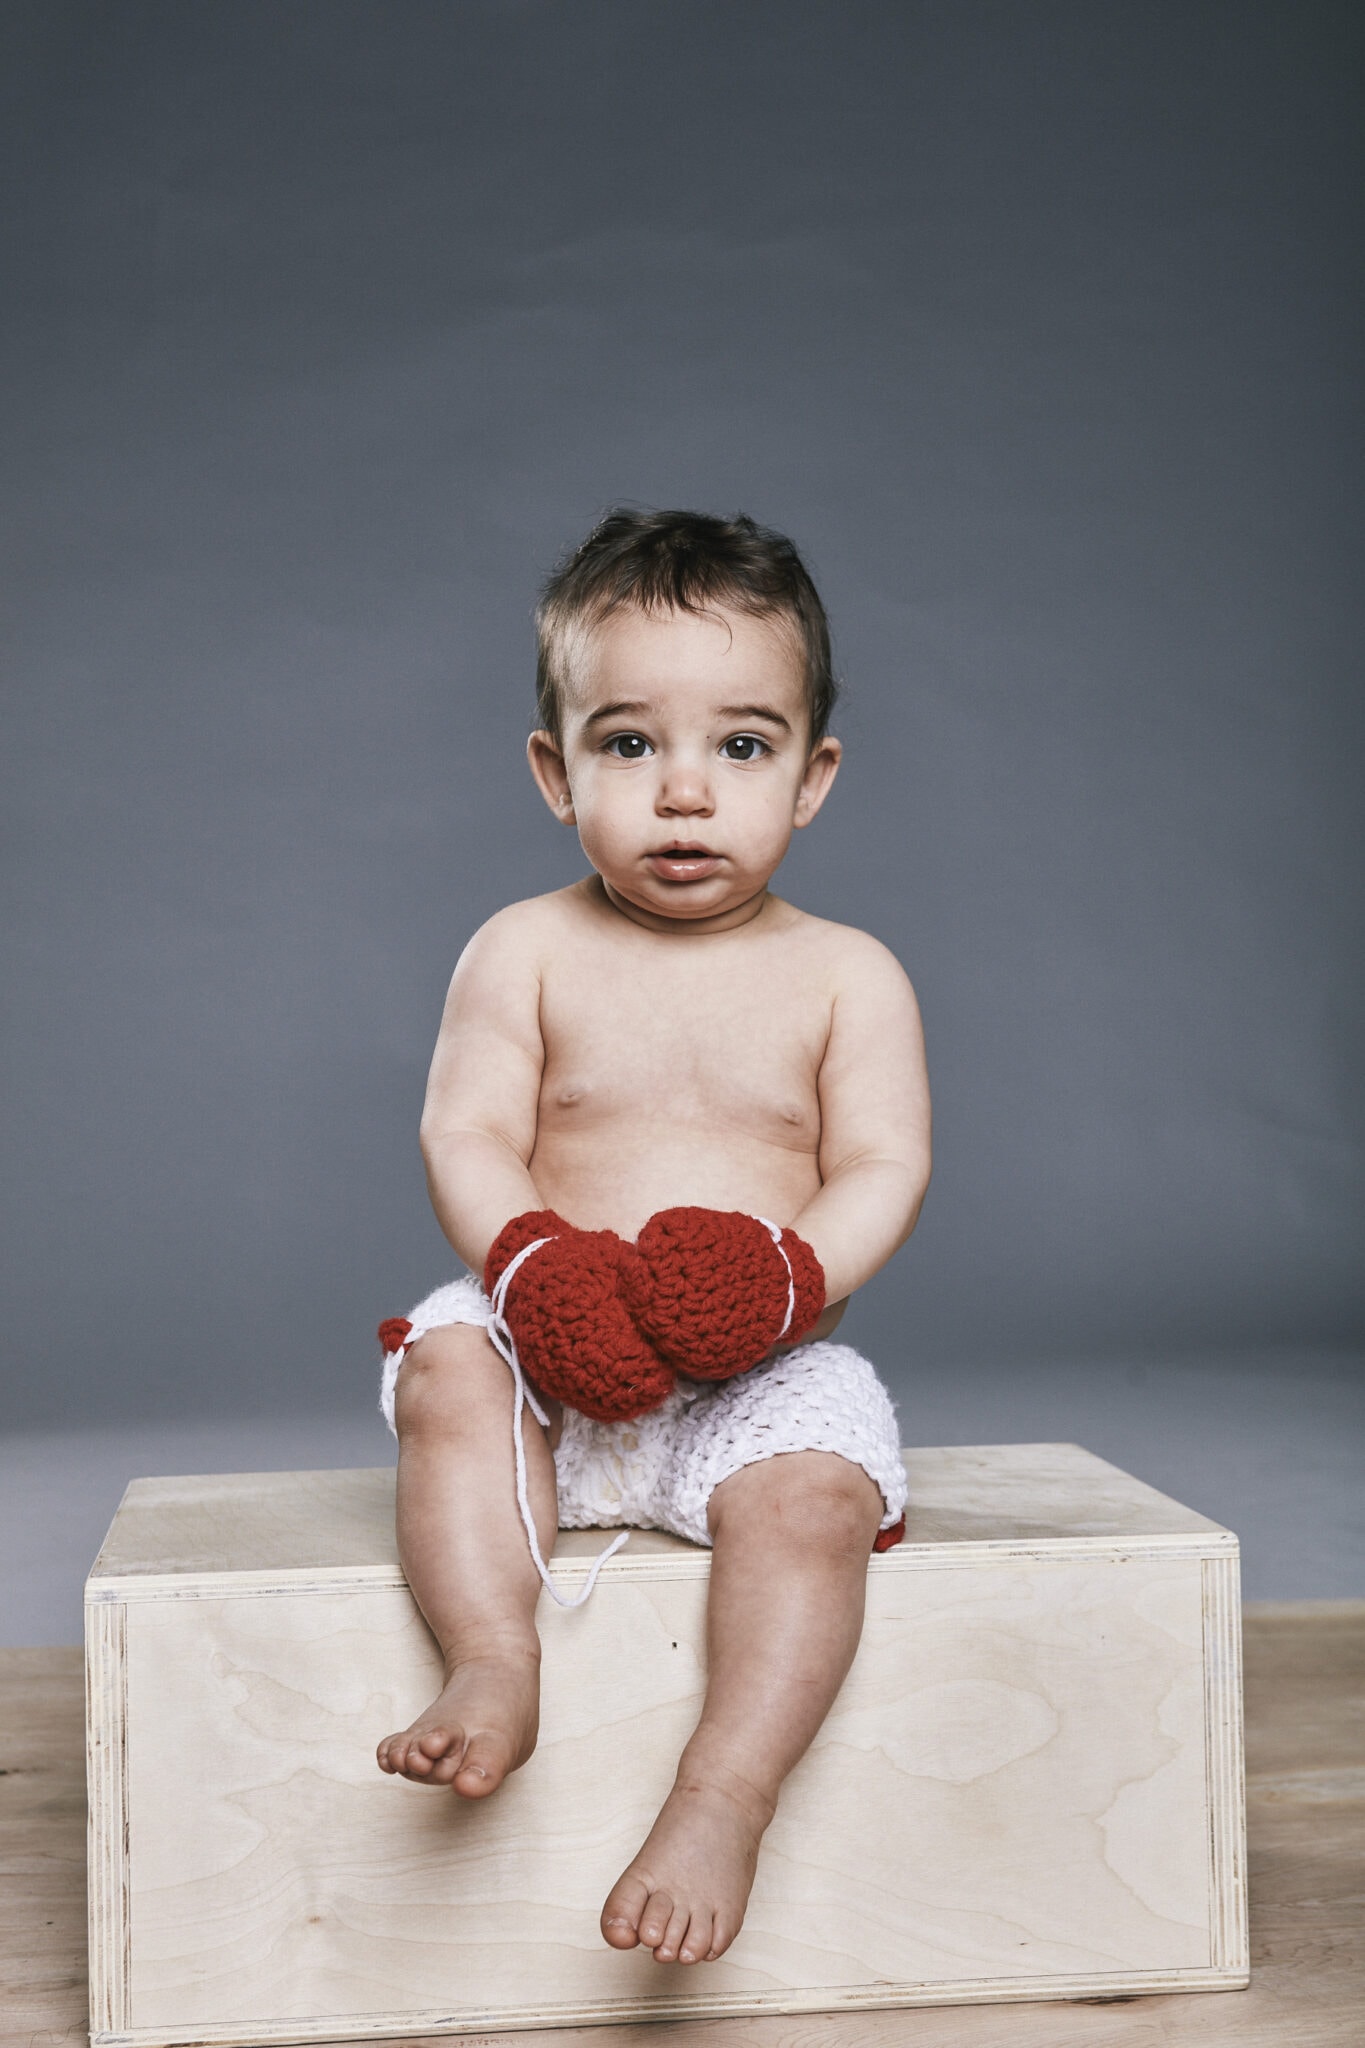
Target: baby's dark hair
[(686, 562)]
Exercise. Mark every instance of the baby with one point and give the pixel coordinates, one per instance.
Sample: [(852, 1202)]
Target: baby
[(629, 1072)]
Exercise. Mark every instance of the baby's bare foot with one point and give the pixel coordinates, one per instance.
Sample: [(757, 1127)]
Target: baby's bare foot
[(481, 1725), (685, 1893)]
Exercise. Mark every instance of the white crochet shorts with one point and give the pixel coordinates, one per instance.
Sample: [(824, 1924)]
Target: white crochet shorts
[(659, 1471)]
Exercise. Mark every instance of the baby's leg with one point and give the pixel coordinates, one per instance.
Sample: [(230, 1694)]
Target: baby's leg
[(788, 1581), (466, 1557)]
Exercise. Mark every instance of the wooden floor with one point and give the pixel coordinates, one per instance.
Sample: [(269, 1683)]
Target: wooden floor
[(1305, 1703)]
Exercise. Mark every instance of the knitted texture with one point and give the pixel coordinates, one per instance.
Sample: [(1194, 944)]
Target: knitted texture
[(659, 1472), (573, 1332), (393, 1334), (602, 1325), (712, 1291)]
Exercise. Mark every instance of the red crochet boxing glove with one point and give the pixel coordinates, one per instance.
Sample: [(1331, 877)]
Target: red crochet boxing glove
[(713, 1292), (573, 1334)]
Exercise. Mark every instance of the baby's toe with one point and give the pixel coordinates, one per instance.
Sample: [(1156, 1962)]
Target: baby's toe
[(446, 1768), (655, 1919), (486, 1762), (621, 1914), (669, 1949), (722, 1934), (695, 1946), (393, 1753)]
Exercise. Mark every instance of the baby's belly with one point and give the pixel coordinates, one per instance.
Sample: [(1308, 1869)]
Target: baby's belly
[(614, 1177)]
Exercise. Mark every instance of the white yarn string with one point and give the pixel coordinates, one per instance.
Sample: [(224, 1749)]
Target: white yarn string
[(504, 1343), (776, 1235), (500, 1335)]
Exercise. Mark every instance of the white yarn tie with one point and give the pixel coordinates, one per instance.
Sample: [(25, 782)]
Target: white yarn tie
[(505, 1344), (776, 1235)]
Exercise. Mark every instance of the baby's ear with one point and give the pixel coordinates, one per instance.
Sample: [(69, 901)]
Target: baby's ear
[(821, 769), (546, 757)]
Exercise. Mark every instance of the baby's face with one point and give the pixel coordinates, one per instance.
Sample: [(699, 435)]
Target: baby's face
[(686, 762)]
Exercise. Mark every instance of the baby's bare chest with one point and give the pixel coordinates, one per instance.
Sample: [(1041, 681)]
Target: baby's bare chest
[(737, 1050)]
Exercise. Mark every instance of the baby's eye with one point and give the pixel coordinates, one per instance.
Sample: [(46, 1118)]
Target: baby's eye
[(628, 746), (744, 746)]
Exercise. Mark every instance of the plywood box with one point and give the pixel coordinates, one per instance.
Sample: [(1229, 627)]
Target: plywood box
[(1029, 1787)]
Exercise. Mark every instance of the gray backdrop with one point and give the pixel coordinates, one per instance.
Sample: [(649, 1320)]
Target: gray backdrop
[(326, 326)]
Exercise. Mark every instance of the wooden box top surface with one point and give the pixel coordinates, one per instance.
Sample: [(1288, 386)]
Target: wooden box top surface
[(982, 1497)]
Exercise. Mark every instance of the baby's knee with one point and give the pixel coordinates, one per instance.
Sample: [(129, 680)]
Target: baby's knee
[(805, 1499), (451, 1378), (836, 1509)]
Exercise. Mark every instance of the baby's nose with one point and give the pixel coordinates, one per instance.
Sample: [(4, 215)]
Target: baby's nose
[(685, 787)]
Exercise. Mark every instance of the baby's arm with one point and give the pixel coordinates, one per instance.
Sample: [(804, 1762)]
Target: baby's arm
[(874, 1121), (479, 1119)]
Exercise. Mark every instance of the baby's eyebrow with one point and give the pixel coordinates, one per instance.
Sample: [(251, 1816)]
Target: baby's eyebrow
[(755, 711), (619, 710), (624, 706)]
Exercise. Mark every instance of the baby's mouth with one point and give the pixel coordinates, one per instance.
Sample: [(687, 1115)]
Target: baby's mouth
[(683, 863)]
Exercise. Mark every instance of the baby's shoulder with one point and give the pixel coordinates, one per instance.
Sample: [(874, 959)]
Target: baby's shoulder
[(525, 925), (515, 941), (845, 953)]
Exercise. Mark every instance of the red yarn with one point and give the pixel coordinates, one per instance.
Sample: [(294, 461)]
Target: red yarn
[(573, 1332), (516, 1235), (708, 1286), (602, 1325), (710, 1289)]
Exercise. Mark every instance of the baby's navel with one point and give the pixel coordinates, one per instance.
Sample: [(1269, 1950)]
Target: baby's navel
[(571, 1093)]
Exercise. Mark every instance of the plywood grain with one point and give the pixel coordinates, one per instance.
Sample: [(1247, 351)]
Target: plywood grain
[(993, 1800), (106, 1717), (1305, 1704), (1031, 1782)]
